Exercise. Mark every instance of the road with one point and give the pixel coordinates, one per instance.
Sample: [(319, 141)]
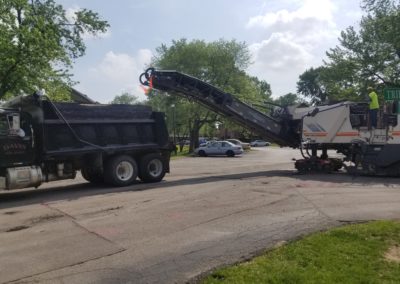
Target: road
[(208, 212)]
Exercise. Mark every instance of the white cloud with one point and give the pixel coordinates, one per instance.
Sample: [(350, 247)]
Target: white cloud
[(310, 9), (118, 73), (295, 40), (280, 53), (70, 13), (279, 61)]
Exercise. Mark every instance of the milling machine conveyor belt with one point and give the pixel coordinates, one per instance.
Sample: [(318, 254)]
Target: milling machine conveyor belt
[(274, 129)]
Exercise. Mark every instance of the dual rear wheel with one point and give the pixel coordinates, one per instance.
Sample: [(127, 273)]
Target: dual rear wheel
[(123, 170), (92, 175)]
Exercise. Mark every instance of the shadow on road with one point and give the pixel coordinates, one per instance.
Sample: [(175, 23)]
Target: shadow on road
[(76, 191)]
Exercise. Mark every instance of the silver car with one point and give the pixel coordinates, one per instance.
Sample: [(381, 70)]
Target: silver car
[(245, 146), (257, 143), (219, 148)]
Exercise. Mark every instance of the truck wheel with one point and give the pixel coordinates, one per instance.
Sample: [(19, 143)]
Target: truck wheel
[(152, 168), (230, 153), (327, 168), (91, 176), (202, 153), (120, 170)]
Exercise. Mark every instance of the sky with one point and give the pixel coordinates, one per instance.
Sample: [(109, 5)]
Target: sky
[(285, 37)]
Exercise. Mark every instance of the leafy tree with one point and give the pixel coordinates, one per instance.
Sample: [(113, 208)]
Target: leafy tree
[(125, 98), (370, 55), (330, 83), (288, 99), (261, 88), (38, 44), (220, 63), (310, 85), (380, 6)]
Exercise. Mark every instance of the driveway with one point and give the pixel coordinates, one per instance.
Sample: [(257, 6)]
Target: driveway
[(208, 212)]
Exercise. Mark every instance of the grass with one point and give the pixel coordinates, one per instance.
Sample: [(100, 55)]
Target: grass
[(350, 254), (184, 153)]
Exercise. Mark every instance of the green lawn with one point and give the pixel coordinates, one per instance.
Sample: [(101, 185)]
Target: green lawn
[(350, 254), (184, 153)]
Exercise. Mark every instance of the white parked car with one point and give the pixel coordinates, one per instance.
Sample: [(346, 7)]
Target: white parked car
[(257, 143), (219, 148), (245, 146)]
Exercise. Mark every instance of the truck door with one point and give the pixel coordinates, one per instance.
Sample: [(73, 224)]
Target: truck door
[(16, 147)]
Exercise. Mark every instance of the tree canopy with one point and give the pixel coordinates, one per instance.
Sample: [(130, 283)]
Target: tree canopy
[(311, 85), (367, 56), (125, 98), (38, 43), (288, 100)]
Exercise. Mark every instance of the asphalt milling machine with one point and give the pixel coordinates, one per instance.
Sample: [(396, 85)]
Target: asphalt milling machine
[(342, 126)]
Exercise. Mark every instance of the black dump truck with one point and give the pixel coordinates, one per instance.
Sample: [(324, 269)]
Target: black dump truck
[(43, 141)]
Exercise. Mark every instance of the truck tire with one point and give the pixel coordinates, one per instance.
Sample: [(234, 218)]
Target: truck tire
[(91, 176), (120, 170), (152, 168)]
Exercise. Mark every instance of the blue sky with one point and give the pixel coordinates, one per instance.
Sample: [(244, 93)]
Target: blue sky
[(285, 37)]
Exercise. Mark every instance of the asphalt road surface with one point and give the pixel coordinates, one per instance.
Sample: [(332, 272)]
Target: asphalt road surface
[(207, 213)]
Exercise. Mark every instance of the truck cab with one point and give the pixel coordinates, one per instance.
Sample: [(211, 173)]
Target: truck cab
[(16, 139), (17, 152)]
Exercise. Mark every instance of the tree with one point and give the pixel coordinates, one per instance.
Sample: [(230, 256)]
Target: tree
[(288, 100), (262, 89), (38, 44), (125, 98), (310, 85), (370, 56), (220, 63), (380, 6)]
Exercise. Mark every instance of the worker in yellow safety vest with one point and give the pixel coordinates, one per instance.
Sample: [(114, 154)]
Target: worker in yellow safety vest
[(373, 107)]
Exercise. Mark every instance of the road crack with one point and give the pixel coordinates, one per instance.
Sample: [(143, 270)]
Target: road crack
[(314, 205), (23, 279), (76, 223), (238, 212)]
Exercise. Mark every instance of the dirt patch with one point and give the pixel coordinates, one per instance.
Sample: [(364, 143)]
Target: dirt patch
[(393, 254), (279, 244)]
